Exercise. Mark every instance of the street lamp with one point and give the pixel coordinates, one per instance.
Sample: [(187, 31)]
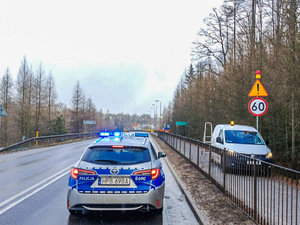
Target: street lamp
[(159, 113), (155, 113), (150, 117)]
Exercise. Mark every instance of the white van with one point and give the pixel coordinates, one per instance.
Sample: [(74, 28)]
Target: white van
[(241, 139)]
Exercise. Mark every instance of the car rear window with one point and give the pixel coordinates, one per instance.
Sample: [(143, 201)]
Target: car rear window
[(123, 156)]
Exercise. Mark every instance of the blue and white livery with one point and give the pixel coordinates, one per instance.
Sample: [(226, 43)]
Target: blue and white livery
[(119, 172)]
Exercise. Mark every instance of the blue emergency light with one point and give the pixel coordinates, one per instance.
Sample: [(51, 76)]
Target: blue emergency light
[(109, 134), (118, 134), (143, 134), (104, 134)]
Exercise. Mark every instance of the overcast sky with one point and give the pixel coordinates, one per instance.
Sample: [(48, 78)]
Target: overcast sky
[(125, 53)]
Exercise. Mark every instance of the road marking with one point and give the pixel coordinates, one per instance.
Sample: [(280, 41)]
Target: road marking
[(47, 182)]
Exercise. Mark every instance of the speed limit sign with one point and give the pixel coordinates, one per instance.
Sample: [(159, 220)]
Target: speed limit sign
[(258, 106)]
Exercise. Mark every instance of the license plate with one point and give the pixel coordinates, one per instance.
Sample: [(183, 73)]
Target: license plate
[(118, 181)]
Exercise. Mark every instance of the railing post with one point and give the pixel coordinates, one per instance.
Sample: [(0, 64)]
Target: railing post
[(209, 162), (190, 151), (184, 147), (198, 149), (179, 145), (172, 141), (254, 190), (224, 172)]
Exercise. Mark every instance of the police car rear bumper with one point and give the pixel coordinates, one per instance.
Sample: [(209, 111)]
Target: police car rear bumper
[(115, 202)]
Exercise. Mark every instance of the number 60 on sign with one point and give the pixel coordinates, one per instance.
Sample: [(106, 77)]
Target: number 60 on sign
[(258, 106)]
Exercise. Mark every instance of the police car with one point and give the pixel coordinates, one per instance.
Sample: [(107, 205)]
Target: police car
[(118, 172)]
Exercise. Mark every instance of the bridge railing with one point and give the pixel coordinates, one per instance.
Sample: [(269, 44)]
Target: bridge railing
[(49, 140), (267, 193)]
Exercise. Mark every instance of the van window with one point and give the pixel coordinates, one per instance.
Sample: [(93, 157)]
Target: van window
[(243, 137), (221, 135)]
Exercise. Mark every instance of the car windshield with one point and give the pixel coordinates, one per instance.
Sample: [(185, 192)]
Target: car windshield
[(123, 156), (243, 137)]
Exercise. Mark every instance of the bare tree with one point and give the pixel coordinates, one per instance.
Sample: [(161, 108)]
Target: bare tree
[(51, 98), (6, 98), (90, 114), (39, 98), (23, 99), (78, 101)]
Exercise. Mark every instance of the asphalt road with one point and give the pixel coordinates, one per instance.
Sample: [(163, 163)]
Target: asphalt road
[(34, 188)]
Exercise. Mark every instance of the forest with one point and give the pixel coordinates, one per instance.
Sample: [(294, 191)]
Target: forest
[(31, 103), (238, 39)]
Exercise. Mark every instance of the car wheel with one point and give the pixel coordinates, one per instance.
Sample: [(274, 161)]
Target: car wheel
[(159, 211), (73, 212), (78, 212)]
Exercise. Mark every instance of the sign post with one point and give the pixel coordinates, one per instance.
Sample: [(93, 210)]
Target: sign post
[(36, 135), (181, 123), (2, 113), (88, 122), (258, 106)]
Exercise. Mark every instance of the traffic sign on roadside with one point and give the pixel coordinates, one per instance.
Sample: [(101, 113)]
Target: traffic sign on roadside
[(181, 123), (258, 90), (258, 106), (89, 122), (2, 111)]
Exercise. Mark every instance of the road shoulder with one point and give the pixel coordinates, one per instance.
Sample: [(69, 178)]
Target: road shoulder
[(208, 202)]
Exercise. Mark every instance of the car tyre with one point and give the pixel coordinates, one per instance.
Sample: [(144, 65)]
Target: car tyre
[(76, 212), (159, 211), (73, 212)]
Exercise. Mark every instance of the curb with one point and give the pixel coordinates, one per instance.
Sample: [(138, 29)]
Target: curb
[(198, 215)]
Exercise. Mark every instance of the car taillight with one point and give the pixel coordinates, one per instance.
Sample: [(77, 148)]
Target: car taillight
[(117, 146), (75, 172), (154, 173)]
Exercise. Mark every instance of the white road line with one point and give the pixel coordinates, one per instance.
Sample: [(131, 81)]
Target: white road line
[(49, 181)]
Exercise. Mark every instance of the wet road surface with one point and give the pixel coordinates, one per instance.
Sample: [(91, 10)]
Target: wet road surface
[(34, 188)]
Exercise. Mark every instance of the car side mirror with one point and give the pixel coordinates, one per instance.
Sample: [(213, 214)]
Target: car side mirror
[(161, 154), (267, 142), (219, 140)]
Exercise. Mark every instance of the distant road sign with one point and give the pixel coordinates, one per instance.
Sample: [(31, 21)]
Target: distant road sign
[(89, 122), (258, 106), (181, 123), (2, 111), (258, 90)]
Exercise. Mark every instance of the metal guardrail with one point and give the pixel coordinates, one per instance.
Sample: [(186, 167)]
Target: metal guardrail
[(267, 193), (48, 140)]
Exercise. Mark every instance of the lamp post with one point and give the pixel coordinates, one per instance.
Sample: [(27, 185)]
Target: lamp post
[(159, 113), (155, 113), (150, 117)]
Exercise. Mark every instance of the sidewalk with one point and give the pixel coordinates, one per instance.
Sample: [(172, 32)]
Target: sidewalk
[(211, 206)]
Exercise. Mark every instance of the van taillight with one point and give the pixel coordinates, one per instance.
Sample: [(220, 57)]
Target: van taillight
[(75, 172)]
